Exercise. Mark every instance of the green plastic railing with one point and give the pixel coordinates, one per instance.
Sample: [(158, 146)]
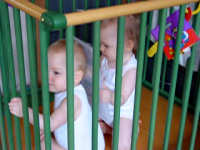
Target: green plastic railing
[(95, 81), (33, 77), (156, 78), (8, 55), (138, 87), (118, 81), (2, 121), (5, 98), (174, 77), (86, 27), (20, 56), (60, 10), (187, 85), (44, 42), (149, 27), (195, 122), (70, 85)]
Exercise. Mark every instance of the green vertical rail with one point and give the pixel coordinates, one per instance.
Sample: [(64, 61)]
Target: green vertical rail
[(95, 82), (138, 87), (174, 77), (20, 56), (33, 77), (70, 85), (73, 5), (5, 26), (0, 147), (47, 4), (85, 28), (196, 121), (44, 38), (5, 99), (97, 3), (150, 16), (119, 2), (108, 3), (34, 24), (85, 4), (2, 122), (164, 68), (118, 80), (171, 10), (156, 78), (187, 85), (164, 73), (61, 33), (2, 127)]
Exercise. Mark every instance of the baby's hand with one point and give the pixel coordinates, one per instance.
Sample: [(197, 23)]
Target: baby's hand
[(41, 135), (15, 107), (105, 96)]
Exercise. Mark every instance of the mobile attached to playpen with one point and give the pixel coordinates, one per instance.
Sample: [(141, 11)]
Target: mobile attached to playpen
[(189, 37)]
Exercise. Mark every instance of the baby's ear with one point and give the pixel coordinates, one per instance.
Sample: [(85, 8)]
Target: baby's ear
[(78, 76)]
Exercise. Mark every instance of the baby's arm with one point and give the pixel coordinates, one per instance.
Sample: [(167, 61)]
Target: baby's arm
[(128, 85), (58, 117)]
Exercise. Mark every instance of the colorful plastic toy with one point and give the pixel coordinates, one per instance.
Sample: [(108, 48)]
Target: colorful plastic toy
[(189, 36)]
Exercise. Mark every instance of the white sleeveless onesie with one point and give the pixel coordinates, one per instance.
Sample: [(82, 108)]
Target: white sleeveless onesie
[(106, 110), (82, 125)]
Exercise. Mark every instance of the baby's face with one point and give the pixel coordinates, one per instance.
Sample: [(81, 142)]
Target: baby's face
[(57, 72), (109, 41)]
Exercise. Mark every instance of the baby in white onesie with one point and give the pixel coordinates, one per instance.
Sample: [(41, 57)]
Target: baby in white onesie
[(57, 85), (107, 77)]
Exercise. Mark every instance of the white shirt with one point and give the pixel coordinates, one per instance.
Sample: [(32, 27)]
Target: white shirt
[(82, 125)]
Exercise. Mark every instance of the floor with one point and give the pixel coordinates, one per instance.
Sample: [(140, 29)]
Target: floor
[(145, 112), (160, 123)]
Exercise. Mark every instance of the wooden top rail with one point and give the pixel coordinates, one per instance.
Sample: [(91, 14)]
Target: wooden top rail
[(77, 18), (28, 7)]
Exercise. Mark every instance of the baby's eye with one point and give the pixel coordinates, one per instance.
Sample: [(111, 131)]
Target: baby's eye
[(106, 46), (56, 72)]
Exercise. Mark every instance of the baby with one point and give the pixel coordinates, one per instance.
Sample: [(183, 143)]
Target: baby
[(107, 77), (57, 85)]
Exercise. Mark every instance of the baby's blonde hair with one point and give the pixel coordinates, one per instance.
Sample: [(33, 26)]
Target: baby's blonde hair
[(79, 55), (132, 28)]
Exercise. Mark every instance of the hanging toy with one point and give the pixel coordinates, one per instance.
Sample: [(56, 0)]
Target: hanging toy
[(188, 38)]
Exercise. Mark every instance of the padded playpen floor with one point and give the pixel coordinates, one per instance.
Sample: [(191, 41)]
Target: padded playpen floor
[(145, 112)]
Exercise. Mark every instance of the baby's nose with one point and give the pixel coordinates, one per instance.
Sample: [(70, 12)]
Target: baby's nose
[(50, 78), (102, 48)]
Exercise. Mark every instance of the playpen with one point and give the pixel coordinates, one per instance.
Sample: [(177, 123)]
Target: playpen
[(152, 73)]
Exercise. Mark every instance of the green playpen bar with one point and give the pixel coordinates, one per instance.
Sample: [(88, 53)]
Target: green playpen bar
[(196, 121), (138, 86), (44, 38), (187, 85), (57, 21), (2, 127), (9, 69), (33, 77), (174, 77), (95, 92), (156, 77)]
